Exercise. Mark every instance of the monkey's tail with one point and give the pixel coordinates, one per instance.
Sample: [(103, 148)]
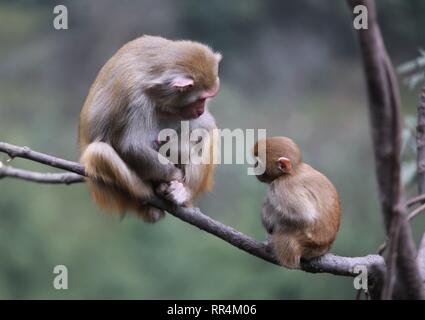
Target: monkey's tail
[(110, 179), (287, 249)]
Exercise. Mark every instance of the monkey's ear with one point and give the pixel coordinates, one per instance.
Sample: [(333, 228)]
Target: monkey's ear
[(182, 83), (284, 165)]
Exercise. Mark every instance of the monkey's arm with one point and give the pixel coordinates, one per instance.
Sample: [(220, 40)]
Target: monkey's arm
[(269, 216), (149, 164)]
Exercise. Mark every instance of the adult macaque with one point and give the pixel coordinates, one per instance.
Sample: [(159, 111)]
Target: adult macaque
[(301, 211), (150, 84)]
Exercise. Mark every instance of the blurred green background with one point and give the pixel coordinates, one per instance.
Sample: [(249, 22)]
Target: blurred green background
[(292, 67)]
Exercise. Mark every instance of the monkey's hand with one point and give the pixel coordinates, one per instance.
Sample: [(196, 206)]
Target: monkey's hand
[(174, 191)]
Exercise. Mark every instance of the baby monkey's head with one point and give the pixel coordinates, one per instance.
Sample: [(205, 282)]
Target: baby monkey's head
[(276, 156)]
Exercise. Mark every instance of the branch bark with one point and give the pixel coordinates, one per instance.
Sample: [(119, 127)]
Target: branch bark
[(420, 146), (50, 178), (421, 258), (384, 109), (26, 153), (420, 143), (329, 263)]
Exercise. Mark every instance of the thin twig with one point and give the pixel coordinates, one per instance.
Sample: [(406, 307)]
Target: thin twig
[(415, 212), (329, 263), (414, 200), (382, 247), (26, 153), (51, 178)]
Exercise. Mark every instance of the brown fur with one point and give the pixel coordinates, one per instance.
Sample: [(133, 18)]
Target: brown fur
[(301, 211), (137, 80)]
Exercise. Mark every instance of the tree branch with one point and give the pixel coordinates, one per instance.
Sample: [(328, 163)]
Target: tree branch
[(51, 178), (420, 143), (26, 153), (414, 200), (328, 263), (421, 258), (415, 212), (384, 108), (420, 146)]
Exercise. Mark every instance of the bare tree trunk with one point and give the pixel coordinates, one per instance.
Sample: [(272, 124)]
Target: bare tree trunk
[(384, 107), (420, 143)]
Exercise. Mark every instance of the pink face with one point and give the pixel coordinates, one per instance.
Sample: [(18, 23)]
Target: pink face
[(196, 109)]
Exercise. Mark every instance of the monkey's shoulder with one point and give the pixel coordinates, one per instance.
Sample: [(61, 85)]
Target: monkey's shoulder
[(290, 197), (321, 190), (314, 179), (307, 193), (287, 210)]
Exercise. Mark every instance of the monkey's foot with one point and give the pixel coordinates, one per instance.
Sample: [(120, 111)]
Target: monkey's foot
[(174, 191), (150, 214)]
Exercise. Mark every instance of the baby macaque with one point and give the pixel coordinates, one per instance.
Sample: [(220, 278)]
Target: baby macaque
[(301, 211)]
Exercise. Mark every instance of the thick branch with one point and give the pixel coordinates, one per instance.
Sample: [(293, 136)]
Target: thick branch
[(420, 143), (384, 108), (421, 258), (328, 263)]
